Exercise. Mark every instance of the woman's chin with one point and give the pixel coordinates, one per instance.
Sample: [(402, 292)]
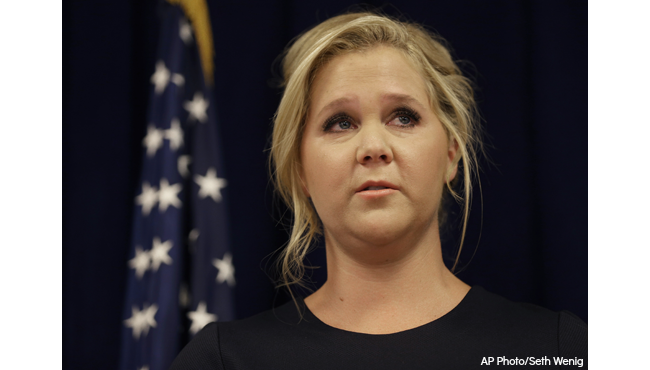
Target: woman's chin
[(380, 232), (377, 228)]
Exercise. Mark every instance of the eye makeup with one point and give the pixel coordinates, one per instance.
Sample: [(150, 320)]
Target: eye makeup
[(343, 118), (405, 111), (337, 118)]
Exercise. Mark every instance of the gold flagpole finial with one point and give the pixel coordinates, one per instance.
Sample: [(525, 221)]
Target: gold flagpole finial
[(197, 12)]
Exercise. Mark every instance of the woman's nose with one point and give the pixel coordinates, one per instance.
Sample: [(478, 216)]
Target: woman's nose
[(373, 145)]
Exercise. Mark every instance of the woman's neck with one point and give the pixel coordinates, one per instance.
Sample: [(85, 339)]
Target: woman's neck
[(406, 287)]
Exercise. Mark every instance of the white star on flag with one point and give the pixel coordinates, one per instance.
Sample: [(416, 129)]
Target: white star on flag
[(140, 262), (168, 195), (193, 235), (200, 318), (184, 296), (197, 107), (141, 321), (226, 269), (147, 199), (178, 79), (185, 31), (153, 141), (210, 185), (160, 78), (183, 163), (160, 253), (191, 240), (174, 134)]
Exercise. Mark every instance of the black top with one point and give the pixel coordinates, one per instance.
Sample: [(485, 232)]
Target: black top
[(484, 329)]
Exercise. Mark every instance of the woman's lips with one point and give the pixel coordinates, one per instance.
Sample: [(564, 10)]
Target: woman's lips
[(374, 194), (376, 186)]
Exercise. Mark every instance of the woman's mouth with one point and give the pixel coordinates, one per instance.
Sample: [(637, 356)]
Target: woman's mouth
[(376, 189)]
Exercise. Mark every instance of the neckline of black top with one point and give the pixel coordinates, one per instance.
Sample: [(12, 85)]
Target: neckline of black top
[(440, 321)]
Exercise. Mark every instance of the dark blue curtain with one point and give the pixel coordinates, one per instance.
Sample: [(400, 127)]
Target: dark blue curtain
[(529, 61)]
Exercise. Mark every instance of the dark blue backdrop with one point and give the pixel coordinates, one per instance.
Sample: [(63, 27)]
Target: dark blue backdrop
[(529, 59)]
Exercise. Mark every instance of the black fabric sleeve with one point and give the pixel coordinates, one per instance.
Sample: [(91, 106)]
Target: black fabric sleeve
[(202, 352), (572, 338)]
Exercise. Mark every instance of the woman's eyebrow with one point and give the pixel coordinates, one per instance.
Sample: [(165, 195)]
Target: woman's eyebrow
[(402, 98), (392, 97), (334, 104)]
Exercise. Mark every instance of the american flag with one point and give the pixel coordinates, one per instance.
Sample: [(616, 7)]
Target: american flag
[(181, 273)]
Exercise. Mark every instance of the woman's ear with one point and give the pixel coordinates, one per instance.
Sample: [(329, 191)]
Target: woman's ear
[(453, 157)]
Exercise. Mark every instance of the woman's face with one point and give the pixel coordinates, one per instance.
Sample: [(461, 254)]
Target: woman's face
[(374, 155)]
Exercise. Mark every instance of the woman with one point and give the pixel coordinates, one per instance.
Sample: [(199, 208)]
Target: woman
[(367, 141)]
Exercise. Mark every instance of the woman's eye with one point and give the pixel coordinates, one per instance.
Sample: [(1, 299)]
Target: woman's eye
[(338, 124), (404, 120), (344, 125)]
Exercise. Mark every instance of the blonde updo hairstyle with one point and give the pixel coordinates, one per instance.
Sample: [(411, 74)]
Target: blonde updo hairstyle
[(450, 95)]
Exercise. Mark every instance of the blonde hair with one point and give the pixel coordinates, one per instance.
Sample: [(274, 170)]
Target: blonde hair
[(450, 94)]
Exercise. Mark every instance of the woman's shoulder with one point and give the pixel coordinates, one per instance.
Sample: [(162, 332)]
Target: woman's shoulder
[(202, 352), (498, 310), (208, 348), (523, 324)]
